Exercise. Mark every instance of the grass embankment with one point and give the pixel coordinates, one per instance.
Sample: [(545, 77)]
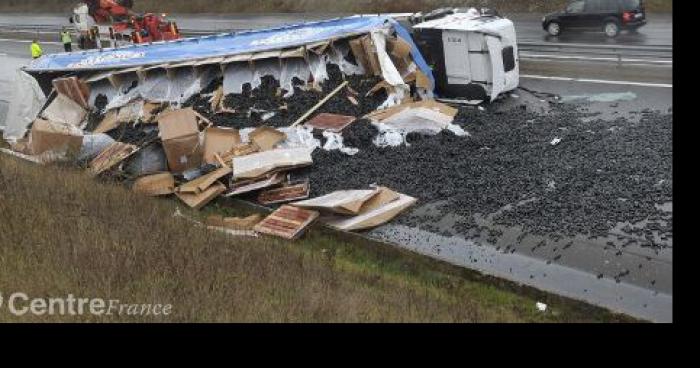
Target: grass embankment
[(63, 233), (311, 6)]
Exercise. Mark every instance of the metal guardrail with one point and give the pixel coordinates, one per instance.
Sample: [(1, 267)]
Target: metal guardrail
[(642, 54)]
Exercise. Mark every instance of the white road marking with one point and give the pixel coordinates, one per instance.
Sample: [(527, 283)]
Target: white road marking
[(598, 81), (611, 59), (30, 41)]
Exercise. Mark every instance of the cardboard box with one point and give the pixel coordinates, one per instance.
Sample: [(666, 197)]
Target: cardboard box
[(179, 131), (48, 136), (155, 185), (358, 52), (65, 111), (398, 48), (372, 56), (73, 88), (219, 141), (201, 184), (266, 137)]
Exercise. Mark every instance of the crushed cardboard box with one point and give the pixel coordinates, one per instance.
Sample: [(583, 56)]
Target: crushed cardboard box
[(346, 202), (258, 164), (63, 110), (73, 88), (109, 122), (219, 141), (179, 131), (47, 136), (381, 115), (199, 200), (266, 137), (203, 182), (155, 185), (359, 209)]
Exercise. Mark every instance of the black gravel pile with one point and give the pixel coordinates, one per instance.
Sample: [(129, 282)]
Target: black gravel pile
[(251, 106), (601, 173), (96, 115), (136, 135)]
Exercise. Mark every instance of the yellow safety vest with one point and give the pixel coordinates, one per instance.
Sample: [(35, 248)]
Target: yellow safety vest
[(65, 37), (36, 50)]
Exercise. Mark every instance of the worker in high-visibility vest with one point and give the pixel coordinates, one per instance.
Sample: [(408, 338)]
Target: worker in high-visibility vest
[(67, 40), (36, 49)]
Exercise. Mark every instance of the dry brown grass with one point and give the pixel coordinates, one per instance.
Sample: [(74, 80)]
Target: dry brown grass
[(284, 6), (63, 233)]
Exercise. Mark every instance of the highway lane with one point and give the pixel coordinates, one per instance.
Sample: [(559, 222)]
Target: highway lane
[(659, 31)]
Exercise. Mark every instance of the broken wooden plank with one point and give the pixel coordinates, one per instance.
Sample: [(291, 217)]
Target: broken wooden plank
[(287, 222), (110, 157), (199, 200), (331, 122), (248, 186), (320, 103), (203, 182), (287, 193)]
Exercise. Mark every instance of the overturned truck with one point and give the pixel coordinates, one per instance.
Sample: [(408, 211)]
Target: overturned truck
[(237, 114)]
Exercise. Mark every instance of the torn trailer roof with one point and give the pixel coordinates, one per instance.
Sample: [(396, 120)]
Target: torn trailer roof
[(214, 49)]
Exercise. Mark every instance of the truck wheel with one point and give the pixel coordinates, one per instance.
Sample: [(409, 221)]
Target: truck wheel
[(611, 29), (554, 29)]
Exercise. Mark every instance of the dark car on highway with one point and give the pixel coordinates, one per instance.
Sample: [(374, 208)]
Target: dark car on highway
[(609, 16)]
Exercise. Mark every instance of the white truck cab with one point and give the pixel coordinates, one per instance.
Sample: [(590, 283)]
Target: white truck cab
[(474, 56)]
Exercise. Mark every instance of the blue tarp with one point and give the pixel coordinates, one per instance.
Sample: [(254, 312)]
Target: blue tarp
[(220, 46)]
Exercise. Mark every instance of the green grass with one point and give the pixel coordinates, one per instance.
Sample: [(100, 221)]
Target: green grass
[(63, 232)]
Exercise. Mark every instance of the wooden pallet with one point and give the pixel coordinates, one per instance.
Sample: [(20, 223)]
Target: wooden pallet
[(287, 222), (287, 193)]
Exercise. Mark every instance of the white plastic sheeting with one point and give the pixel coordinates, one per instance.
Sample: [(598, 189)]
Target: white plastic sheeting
[(155, 86), (389, 71), (337, 55), (25, 105), (158, 86), (104, 88), (266, 67), (388, 136), (297, 137), (291, 68), (317, 64), (235, 76), (126, 92), (334, 141), (93, 145)]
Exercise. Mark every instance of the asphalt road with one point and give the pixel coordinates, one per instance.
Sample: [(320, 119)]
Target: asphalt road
[(659, 31)]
